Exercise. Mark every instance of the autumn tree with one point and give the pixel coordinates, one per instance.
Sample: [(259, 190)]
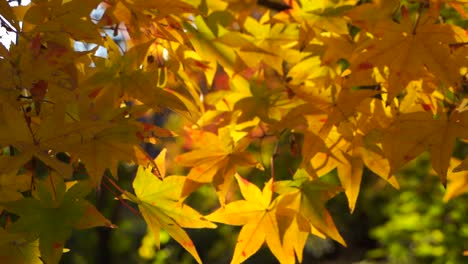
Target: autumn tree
[(348, 84)]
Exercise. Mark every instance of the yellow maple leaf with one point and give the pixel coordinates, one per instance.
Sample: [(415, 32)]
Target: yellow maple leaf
[(257, 216), (64, 19), (321, 15), (337, 102), (302, 200), (144, 20), (100, 145), (413, 133), (19, 131), (407, 51), (368, 15), (12, 183), (457, 180), (125, 77), (348, 151), (215, 160)]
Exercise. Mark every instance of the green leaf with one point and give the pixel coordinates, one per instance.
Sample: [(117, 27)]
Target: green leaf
[(158, 203), (53, 214)]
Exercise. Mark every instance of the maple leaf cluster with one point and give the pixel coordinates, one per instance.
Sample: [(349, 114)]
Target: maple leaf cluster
[(352, 85)]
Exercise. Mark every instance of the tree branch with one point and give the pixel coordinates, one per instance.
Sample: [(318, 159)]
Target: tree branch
[(273, 5)]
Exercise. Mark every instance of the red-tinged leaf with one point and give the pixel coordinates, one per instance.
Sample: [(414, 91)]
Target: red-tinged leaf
[(249, 241), (365, 66)]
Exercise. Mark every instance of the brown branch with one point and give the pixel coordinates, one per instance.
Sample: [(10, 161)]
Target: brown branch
[(4, 23), (273, 5), (458, 45)]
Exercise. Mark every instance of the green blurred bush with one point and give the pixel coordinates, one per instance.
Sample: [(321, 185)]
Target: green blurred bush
[(419, 227)]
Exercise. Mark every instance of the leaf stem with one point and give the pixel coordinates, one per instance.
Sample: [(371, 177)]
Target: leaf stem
[(122, 201), (272, 159), (53, 186), (418, 18), (7, 25), (275, 155), (114, 184), (28, 123)]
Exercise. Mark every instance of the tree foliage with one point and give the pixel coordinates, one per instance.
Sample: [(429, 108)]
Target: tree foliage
[(348, 84)]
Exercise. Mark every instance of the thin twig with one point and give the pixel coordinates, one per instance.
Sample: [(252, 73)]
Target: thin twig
[(272, 159), (275, 154), (28, 123)]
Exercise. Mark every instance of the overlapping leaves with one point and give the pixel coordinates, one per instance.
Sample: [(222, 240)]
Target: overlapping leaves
[(50, 217), (158, 201), (362, 84)]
